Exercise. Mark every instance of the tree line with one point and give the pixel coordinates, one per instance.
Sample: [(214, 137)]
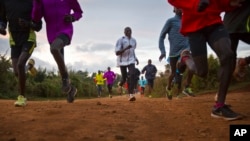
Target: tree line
[(47, 84)]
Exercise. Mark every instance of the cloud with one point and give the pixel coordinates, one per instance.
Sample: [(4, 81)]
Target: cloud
[(94, 46), (95, 35)]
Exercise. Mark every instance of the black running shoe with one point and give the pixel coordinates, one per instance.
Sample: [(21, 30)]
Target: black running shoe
[(132, 98), (226, 113), (71, 94)]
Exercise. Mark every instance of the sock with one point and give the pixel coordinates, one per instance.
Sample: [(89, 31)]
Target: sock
[(184, 58), (219, 104)]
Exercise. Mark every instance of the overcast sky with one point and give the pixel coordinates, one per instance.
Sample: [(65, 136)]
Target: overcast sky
[(95, 35)]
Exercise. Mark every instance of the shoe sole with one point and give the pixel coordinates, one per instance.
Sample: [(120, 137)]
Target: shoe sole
[(225, 118), (23, 105), (20, 105)]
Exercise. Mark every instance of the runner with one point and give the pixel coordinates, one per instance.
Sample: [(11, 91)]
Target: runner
[(59, 26), (178, 44), (126, 59), (142, 83), (202, 30), (17, 14), (150, 74), (110, 78), (237, 23)]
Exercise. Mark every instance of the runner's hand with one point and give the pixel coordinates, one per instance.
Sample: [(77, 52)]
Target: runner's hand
[(203, 4), (24, 23), (2, 29), (69, 18), (162, 56), (37, 26), (137, 62)]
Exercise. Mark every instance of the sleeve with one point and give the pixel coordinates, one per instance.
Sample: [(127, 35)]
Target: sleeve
[(37, 11), (163, 34), (77, 9), (155, 69), (135, 43), (143, 70), (118, 45)]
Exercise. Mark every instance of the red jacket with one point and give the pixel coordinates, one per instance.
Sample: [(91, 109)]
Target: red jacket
[(193, 20)]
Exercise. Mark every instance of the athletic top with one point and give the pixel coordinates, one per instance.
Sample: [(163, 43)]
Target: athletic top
[(150, 71), (99, 79), (11, 11), (110, 77), (193, 21), (128, 56), (142, 82), (53, 12), (238, 20), (176, 40)]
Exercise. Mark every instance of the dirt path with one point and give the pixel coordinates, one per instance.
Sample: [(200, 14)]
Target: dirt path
[(104, 119)]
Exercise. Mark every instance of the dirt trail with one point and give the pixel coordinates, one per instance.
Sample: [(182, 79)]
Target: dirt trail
[(105, 119)]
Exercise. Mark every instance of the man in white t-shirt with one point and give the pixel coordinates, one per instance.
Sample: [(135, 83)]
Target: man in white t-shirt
[(126, 58)]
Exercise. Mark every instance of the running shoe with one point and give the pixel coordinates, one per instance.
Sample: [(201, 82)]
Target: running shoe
[(21, 101), (71, 95), (169, 93), (66, 87), (225, 112), (185, 54), (188, 91), (131, 98)]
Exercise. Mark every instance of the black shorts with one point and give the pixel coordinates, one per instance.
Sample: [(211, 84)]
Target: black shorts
[(150, 82), (198, 40), (65, 39), (245, 37), (236, 37), (28, 47)]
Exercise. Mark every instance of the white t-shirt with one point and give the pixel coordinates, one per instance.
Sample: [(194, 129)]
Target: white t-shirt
[(127, 57)]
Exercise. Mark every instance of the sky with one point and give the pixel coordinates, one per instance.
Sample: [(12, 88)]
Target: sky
[(95, 35)]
